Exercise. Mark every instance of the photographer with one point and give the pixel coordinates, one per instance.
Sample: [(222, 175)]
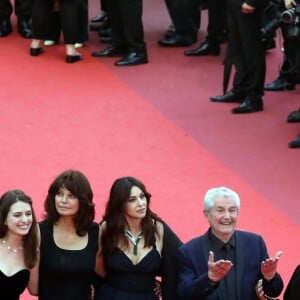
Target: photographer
[(290, 27), (290, 70)]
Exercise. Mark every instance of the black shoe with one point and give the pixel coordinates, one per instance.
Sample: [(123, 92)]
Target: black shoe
[(99, 18), (249, 106), (36, 51), (269, 44), (205, 48), (106, 32), (110, 51), (177, 40), (73, 58), (295, 143), (279, 84), (294, 116), (133, 59), (5, 27), (230, 96), (24, 29)]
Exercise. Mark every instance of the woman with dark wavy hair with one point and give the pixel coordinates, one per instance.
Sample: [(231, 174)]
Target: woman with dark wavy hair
[(19, 243), (69, 240), (135, 247)]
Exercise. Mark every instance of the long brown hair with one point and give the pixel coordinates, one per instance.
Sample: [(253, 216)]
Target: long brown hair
[(79, 186), (115, 219), (30, 240)]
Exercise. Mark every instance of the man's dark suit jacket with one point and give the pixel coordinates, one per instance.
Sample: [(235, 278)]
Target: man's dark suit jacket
[(250, 252)]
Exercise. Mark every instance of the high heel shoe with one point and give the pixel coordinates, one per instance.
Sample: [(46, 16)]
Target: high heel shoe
[(36, 51), (73, 58)]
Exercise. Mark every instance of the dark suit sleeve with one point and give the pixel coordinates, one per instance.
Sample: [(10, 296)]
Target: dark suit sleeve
[(192, 285)]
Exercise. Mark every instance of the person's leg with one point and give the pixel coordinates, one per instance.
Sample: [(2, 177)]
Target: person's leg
[(5, 13)]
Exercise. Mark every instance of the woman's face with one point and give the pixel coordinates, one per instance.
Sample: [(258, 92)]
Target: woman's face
[(136, 205), (19, 218), (66, 203)]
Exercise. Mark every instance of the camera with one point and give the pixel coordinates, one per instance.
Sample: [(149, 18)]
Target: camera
[(275, 13), (292, 17)]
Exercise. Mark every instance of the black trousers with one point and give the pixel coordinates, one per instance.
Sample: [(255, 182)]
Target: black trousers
[(291, 59), (23, 9), (126, 24), (71, 15), (217, 19), (246, 51), (185, 16)]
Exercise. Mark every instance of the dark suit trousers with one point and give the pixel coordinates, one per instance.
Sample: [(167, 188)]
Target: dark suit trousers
[(126, 24), (217, 19), (185, 16), (23, 9), (247, 52), (71, 13)]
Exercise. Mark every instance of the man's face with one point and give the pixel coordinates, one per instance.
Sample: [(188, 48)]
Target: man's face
[(223, 218)]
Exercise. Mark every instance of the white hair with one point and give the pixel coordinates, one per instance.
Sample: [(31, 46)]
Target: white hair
[(213, 193)]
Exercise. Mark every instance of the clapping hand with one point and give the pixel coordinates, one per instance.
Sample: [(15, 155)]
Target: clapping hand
[(217, 269), (269, 266)]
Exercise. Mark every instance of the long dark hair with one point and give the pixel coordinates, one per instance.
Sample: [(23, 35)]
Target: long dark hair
[(115, 219), (30, 240), (79, 186)]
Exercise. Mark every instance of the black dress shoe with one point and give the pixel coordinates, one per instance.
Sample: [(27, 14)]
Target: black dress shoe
[(205, 48), (177, 40), (5, 27), (269, 43), (279, 84), (99, 18), (249, 106), (230, 96), (24, 29), (133, 59), (295, 143), (110, 51), (36, 51), (73, 58), (294, 116)]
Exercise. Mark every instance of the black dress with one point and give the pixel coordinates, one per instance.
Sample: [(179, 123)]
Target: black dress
[(66, 274), (11, 287), (126, 281)]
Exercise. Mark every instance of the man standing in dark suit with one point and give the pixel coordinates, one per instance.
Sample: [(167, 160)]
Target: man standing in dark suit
[(224, 263), (245, 50)]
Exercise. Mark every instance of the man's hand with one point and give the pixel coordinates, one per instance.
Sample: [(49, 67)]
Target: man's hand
[(269, 266), (217, 270), (259, 290), (248, 9)]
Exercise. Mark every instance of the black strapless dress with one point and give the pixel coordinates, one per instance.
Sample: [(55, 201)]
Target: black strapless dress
[(11, 287), (126, 281)]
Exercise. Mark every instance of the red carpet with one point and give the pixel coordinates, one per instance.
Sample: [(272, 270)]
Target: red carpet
[(154, 122)]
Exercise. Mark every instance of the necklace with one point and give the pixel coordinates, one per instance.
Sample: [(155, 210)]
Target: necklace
[(9, 248), (134, 240)]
